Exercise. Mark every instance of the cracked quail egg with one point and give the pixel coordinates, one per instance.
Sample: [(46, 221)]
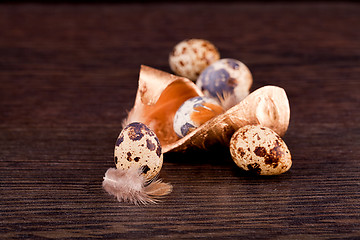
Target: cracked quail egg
[(193, 113), (260, 150), (190, 57), (138, 146), (227, 79)]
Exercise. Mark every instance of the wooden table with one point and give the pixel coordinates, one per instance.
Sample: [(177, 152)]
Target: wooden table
[(69, 73)]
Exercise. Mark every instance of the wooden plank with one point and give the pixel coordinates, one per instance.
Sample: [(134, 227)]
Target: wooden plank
[(68, 75)]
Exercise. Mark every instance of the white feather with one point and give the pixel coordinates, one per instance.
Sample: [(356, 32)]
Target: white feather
[(228, 100), (131, 186)]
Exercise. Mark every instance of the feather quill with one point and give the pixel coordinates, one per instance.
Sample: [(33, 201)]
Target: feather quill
[(131, 186)]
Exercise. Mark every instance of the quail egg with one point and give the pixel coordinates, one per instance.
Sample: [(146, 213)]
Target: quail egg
[(227, 79), (260, 150), (193, 113), (190, 57), (138, 146)]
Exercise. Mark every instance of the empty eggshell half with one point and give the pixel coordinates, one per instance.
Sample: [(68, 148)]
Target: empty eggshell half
[(160, 95), (260, 150)]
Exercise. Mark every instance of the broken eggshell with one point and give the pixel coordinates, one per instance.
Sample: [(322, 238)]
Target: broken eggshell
[(160, 94)]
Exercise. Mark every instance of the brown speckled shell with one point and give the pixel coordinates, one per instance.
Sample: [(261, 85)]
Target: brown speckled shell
[(191, 56), (160, 94), (260, 150), (138, 146)]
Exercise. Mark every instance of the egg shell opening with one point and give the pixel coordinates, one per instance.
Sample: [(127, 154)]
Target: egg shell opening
[(159, 96), (267, 106)]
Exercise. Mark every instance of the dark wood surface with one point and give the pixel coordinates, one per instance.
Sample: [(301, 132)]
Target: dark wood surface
[(69, 73)]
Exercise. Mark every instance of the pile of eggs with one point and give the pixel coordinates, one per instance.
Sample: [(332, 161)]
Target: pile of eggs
[(224, 83), (199, 60)]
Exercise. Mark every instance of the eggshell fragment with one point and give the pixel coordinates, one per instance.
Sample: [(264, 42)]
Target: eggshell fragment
[(260, 150), (193, 113), (190, 57), (138, 146)]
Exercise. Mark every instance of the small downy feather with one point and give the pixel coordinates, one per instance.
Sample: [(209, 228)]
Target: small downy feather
[(228, 100), (131, 186)]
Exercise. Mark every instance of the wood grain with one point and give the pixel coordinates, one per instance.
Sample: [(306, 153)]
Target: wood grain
[(69, 73)]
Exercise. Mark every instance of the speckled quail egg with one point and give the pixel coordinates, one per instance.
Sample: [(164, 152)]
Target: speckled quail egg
[(260, 150), (138, 146), (190, 57), (227, 79), (193, 113)]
